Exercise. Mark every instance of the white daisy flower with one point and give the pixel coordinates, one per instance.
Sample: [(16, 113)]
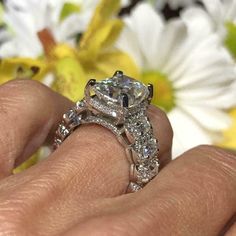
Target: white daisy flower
[(26, 18), (221, 11), (174, 4), (190, 70)]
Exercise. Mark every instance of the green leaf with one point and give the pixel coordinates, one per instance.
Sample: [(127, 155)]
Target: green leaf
[(230, 41), (68, 9)]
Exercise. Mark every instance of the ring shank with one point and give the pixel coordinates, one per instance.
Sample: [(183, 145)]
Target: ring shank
[(135, 135)]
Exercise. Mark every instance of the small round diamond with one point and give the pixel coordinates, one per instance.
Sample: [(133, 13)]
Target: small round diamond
[(146, 147), (57, 142), (63, 131), (147, 151), (114, 114), (138, 126), (70, 114), (73, 117), (146, 172), (135, 187), (80, 105)]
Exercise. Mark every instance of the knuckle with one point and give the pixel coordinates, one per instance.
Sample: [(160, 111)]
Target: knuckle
[(218, 163), (21, 83), (22, 89), (16, 97), (206, 172), (13, 220), (146, 222), (9, 229), (160, 115), (116, 227), (224, 159)]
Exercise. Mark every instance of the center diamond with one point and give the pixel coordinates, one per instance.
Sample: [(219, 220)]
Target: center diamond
[(113, 89)]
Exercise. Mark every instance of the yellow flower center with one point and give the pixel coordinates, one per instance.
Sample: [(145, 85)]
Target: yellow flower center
[(229, 140), (163, 89), (230, 38)]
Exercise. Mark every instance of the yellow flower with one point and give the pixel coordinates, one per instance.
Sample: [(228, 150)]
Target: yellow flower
[(19, 68), (94, 57), (230, 38), (229, 135), (96, 52), (30, 162), (70, 78), (102, 31), (164, 92)]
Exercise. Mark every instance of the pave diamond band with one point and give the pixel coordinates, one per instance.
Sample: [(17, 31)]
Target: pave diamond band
[(120, 107)]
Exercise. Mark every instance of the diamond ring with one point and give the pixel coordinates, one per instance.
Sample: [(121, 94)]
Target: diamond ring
[(119, 103)]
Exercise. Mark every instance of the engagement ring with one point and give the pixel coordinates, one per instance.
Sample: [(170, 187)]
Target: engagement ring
[(120, 104)]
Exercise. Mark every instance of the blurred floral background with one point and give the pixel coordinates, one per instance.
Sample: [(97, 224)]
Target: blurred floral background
[(185, 48)]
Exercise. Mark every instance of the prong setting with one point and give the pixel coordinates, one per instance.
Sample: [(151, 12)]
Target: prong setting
[(91, 82), (125, 100), (118, 73), (88, 87), (151, 91)]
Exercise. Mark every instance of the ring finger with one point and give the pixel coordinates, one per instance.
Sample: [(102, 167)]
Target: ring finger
[(90, 166)]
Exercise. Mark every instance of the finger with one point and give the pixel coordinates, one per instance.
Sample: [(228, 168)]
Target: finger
[(193, 195), (89, 166), (231, 232), (28, 112), (230, 228), (163, 132), (98, 156)]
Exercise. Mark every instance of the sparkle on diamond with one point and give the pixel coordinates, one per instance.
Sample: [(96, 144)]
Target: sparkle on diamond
[(112, 90)]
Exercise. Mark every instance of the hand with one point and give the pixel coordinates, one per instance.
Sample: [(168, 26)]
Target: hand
[(78, 189)]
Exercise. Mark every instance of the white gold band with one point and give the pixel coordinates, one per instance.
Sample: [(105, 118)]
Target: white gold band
[(135, 135)]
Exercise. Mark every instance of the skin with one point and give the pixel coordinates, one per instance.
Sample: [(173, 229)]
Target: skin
[(78, 189)]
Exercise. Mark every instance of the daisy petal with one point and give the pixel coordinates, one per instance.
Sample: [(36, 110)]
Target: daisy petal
[(195, 18), (141, 18), (172, 37), (208, 117), (214, 8), (226, 100), (187, 133), (129, 44)]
